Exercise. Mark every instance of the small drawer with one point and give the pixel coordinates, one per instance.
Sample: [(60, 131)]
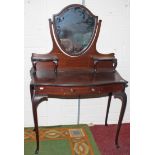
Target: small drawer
[(79, 91)]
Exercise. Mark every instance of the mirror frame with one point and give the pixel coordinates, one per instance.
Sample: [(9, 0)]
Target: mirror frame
[(83, 51)]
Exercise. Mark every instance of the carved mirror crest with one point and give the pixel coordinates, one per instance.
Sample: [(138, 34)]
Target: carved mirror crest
[(74, 29)]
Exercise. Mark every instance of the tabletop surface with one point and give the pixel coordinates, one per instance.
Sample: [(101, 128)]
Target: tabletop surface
[(76, 78)]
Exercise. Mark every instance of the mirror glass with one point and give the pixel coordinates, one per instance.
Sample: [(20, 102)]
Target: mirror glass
[(74, 29)]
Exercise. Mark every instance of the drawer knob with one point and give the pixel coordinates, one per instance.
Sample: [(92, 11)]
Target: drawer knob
[(41, 88), (92, 89), (72, 90)]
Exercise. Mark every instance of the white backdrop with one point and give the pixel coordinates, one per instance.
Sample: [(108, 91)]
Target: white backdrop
[(114, 37)]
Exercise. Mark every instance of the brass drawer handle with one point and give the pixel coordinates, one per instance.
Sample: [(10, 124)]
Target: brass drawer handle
[(93, 90), (72, 90), (41, 88)]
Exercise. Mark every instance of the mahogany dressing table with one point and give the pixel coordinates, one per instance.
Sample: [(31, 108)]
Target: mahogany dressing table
[(74, 68)]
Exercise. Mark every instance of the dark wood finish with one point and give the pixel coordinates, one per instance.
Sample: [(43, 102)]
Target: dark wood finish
[(123, 97), (88, 75), (78, 91), (44, 58), (108, 106), (98, 59), (36, 100)]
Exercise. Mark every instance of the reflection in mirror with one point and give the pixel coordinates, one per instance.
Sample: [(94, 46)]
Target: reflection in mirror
[(74, 29)]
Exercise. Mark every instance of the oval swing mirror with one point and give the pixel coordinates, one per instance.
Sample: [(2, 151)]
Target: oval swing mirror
[(74, 29)]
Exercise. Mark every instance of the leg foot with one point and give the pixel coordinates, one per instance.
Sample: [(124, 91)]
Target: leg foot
[(117, 145), (36, 151)]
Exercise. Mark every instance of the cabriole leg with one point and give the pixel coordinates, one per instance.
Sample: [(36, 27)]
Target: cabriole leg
[(123, 97), (31, 92), (36, 100), (36, 126), (108, 106)]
